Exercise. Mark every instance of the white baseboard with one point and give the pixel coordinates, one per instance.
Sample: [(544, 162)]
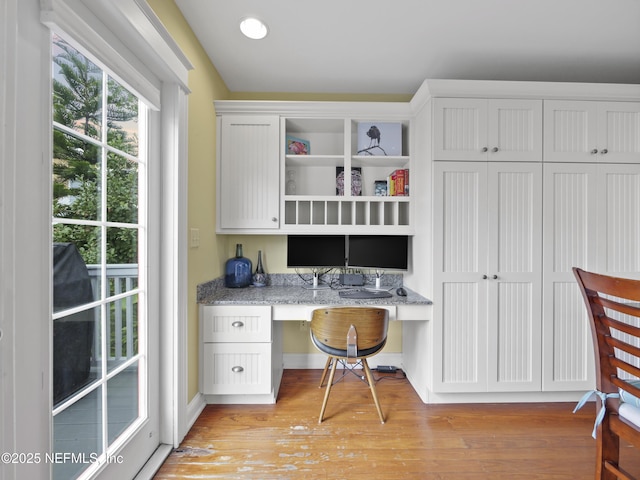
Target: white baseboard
[(194, 409)]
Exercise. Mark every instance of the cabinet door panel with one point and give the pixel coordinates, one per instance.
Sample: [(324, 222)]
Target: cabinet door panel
[(619, 132), (249, 173), (570, 229), (514, 276), (570, 131), (460, 126), (515, 130), (619, 228), (460, 296)]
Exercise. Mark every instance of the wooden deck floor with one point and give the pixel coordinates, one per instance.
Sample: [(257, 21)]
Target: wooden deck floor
[(480, 441)]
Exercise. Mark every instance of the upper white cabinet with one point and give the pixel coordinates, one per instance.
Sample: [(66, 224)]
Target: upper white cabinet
[(480, 129), (327, 182), (248, 194), (589, 131)]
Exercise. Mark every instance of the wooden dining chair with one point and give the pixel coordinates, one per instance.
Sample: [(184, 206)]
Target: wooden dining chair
[(613, 306), (349, 335)]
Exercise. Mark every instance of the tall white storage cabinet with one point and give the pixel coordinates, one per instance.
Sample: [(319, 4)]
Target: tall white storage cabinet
[(529, 180), (487, 276)]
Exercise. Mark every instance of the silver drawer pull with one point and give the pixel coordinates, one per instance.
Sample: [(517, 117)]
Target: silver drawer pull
[(237, 324), (237, 369)]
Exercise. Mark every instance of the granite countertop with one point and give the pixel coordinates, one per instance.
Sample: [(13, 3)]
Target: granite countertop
[(287, 289)]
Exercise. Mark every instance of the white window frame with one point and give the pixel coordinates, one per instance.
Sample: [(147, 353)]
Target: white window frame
[(125, 33)]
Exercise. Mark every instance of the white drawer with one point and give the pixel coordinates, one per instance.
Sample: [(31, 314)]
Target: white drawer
[(236, 323), (236, 368)]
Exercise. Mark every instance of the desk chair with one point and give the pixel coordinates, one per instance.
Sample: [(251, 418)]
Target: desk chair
[(613, 306), (349, 335)]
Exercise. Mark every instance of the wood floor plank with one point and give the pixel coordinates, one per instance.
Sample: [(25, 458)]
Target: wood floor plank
[(433, 442)]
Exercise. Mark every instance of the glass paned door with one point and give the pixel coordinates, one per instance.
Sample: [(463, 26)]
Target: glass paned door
[(99, 258)]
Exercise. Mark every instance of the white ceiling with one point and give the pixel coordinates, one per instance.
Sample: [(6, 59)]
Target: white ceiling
[(391, 46)]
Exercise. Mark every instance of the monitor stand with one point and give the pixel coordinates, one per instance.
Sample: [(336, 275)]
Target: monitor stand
[(316, 285), (378, 287)]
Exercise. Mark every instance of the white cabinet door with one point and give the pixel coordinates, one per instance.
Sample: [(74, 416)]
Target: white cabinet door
[(618, 190), (570, 131), (460, 129), (571, 227), (515, 130), (515, 276), (248, 173), (487, 277), (460, 291), (585, 131), (619, 132), (494, 130)]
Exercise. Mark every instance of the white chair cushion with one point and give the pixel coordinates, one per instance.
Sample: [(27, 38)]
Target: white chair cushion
[(630, 406), (630, 413)]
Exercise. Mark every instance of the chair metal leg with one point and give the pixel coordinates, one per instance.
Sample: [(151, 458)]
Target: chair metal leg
[(328, 390), (372, 385), (324, 372)]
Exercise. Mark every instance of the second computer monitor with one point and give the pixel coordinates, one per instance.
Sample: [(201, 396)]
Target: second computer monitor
[(383, 252)]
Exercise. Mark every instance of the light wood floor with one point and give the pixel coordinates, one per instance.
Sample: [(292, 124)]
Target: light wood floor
[(480, 441)]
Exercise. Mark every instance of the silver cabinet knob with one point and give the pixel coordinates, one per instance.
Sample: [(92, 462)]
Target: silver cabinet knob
[(274, 219), (604, 151), (494, 149), (594, 151), (495, 277), (237, 324), (237, 369), (485, 149), (484, 277)]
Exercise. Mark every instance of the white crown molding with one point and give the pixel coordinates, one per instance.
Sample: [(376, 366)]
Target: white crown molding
[(400, 110), (532, 90), (127, 35)]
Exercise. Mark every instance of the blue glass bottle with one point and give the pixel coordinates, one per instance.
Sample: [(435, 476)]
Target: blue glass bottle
[(237, 270)]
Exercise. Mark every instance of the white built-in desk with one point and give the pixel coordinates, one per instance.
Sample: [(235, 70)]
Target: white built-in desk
[(241, 357)]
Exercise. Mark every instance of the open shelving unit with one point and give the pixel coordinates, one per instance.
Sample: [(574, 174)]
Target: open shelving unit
[(316, 204)]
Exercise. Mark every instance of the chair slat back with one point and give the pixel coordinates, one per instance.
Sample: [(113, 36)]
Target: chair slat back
[(331, 326), (613, 307)]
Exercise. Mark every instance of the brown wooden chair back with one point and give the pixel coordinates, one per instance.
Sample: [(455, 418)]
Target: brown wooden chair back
[(330, 326), (613, 307)]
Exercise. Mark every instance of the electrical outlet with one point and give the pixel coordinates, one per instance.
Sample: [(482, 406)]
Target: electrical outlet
[(304, 325)]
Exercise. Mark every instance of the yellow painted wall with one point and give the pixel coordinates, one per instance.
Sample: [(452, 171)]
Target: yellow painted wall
[(206, 85), (207, 262)]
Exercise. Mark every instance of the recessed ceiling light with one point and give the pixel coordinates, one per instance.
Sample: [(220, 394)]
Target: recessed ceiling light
[(253, 28)]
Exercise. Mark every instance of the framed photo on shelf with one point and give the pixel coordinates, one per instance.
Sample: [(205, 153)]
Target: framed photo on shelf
[(379, 139), (297, 146), (355, 181)]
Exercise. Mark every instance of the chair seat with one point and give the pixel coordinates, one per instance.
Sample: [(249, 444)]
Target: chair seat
[(630, 413)]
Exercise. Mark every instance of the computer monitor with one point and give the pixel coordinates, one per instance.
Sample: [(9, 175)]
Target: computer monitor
[(381, 252), (316, 251)]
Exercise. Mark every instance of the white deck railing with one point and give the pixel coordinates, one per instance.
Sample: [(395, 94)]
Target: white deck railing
[(120, 278)]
